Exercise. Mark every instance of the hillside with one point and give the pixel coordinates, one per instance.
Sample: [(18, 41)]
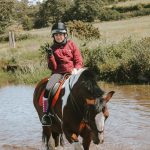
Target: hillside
[(132, 2), (114, 31)]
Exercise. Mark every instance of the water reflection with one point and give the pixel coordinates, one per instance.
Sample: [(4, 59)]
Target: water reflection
[(128, 126)]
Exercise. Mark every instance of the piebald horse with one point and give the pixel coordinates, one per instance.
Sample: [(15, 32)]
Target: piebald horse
[(79, 111)]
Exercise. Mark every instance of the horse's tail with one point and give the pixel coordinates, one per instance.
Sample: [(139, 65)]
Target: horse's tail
[(46, 136), (45, 140), (37, 93), (38, 88)]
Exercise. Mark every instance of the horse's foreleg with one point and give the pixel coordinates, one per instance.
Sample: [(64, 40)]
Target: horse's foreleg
[(46, 136), (86, 134), (61, 140), (58, 139)]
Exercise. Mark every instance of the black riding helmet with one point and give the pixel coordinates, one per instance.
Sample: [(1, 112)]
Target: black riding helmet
[(59, 28)]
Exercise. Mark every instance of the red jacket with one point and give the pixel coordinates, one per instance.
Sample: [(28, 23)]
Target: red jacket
[(65, 58)]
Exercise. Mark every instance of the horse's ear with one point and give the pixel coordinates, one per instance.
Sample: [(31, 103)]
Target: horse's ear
[(108, 96)]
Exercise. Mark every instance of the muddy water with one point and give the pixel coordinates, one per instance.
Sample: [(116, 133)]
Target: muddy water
[(127, 128)]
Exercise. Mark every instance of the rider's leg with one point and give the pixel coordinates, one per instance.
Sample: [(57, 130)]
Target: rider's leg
[(46, 120)]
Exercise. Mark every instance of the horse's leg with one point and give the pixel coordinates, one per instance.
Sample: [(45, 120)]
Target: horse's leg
[(86, 134), (58, 139), (72, 137), (61, 140), (46, 136)]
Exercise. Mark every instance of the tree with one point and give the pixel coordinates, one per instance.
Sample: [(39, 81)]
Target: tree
[(51, 11), (6, 14), (86, 10), (25, 14)]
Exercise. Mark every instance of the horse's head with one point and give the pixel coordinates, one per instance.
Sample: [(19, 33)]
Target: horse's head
[(95, 104), (97, 114), (85, 98)]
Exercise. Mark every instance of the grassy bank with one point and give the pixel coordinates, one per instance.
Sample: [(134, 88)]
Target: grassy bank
[(122, 54)]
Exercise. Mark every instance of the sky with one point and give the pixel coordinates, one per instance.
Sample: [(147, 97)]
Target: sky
[(34, 1)]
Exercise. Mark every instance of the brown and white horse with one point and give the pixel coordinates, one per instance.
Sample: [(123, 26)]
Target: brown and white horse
[(79, 111)]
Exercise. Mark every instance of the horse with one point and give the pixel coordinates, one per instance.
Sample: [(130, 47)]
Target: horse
[(81, 110)]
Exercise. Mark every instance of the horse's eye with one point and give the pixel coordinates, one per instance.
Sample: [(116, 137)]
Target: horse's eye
[(88, 85)]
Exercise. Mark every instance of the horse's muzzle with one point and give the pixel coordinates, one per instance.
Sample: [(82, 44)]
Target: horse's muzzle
[(96, 141), (98, 138)]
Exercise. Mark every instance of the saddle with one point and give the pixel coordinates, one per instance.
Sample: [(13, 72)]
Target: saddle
[(54, 93)]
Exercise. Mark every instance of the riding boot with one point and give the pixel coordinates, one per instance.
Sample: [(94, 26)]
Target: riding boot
[(46, 119)]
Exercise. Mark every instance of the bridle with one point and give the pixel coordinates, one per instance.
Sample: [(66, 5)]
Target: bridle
[(85, 113)]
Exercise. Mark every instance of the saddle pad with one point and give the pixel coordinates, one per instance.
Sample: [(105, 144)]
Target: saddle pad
[(54, 100), (55, 92)]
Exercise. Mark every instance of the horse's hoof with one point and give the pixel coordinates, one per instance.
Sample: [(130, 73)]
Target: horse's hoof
[(77, 146)]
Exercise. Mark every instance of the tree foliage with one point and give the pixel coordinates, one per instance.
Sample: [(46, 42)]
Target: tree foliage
[(86, 10), (51, 11), (43, 14), (6, 14)]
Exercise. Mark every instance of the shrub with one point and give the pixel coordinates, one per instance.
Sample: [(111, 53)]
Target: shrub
[(20, 37), (27, 23), (108, 14), (4, 37), (44, 49), (83, 30), (125, 62)]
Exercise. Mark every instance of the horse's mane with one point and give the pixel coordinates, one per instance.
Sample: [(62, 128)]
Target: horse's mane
[(89, 80)]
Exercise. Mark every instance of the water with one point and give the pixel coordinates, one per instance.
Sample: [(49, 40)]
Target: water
[(127, 128)]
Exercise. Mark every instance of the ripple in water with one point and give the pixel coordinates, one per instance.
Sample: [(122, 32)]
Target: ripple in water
[(127, 128)]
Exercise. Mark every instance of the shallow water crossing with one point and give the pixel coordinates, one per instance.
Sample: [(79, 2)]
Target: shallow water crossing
[(127, 128)]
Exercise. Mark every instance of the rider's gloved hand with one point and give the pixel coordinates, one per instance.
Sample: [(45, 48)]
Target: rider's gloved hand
[(50, 51)]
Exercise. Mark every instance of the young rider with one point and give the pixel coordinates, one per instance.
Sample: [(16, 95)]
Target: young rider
[(63, 57)]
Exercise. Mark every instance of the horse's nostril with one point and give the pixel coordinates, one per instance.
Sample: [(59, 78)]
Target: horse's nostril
[(102, 141)]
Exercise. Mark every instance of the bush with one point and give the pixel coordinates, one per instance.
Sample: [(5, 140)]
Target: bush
[(20, 37), (4, 38), (27, 23), (108, 14), (125, 62), (83, 30), (123, 12)]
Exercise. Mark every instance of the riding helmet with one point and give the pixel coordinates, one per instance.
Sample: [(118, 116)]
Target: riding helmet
[(59, 28)]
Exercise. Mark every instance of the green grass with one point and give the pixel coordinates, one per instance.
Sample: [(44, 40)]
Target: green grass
[(115, 31), (33, 66), (132, 3)]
